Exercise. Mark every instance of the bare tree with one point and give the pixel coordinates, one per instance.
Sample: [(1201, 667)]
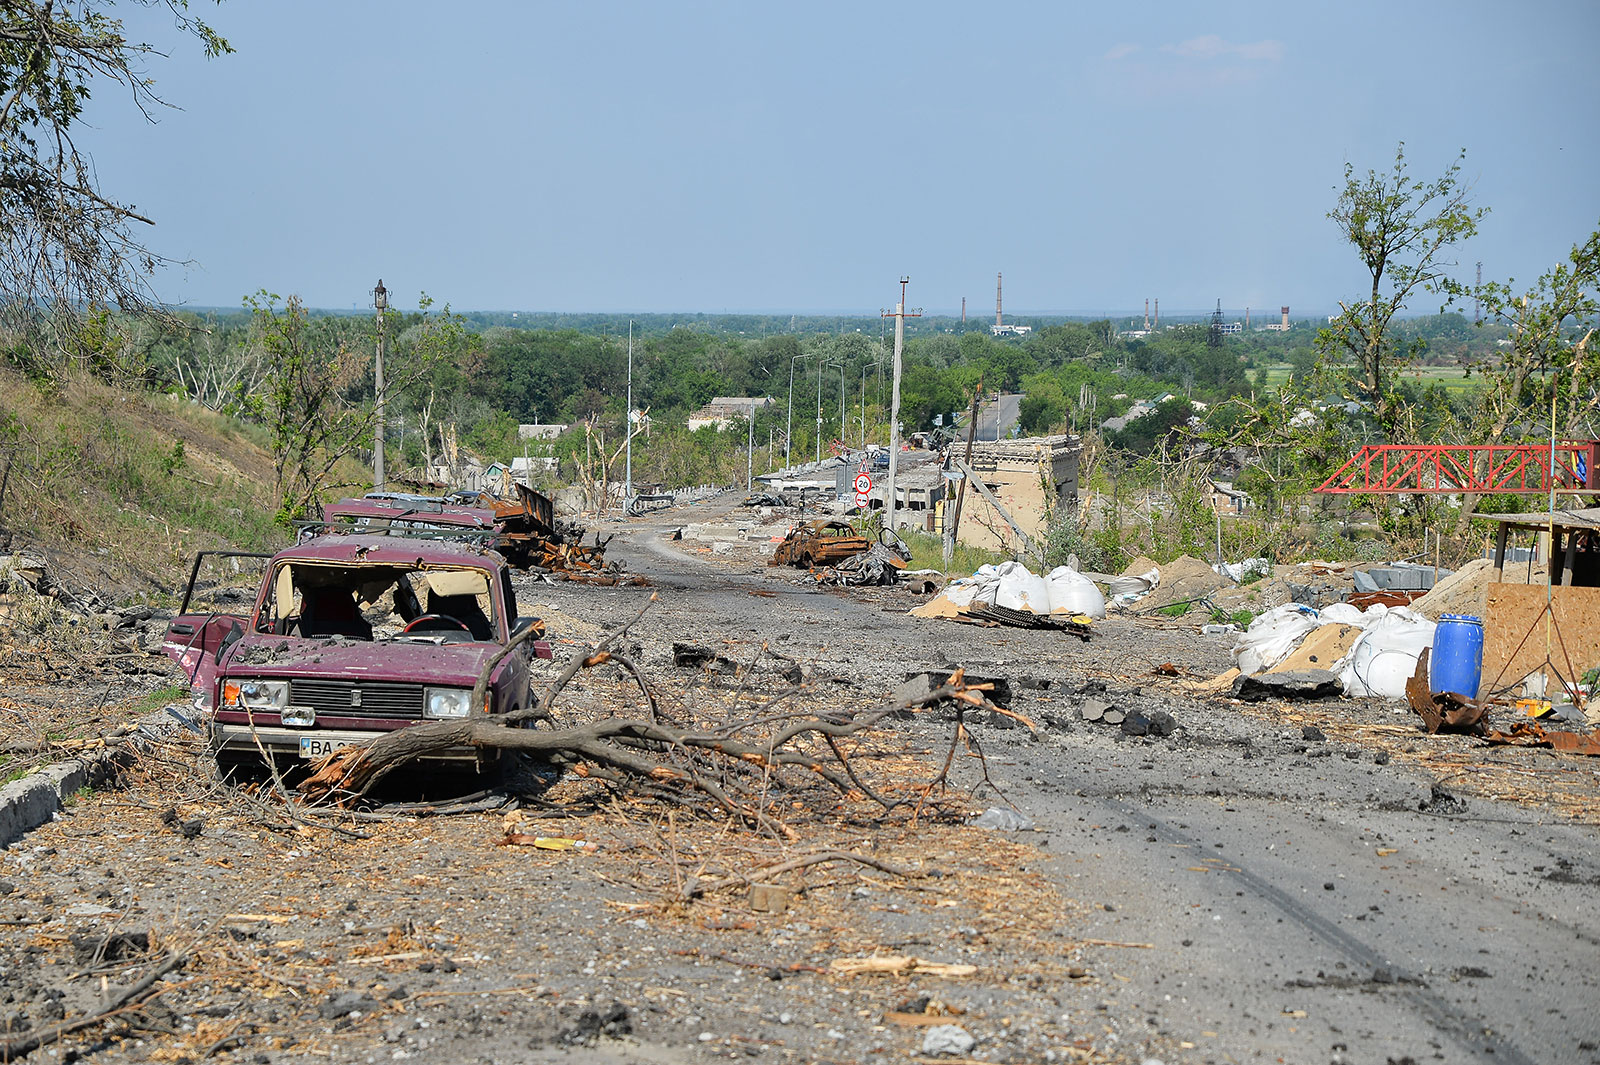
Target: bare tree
[(64, 244)]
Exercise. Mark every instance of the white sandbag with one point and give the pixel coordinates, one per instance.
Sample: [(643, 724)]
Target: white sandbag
[(1130, 587), (1073, 593), (1271, 637), (1345, 614), (1385, 656), (1019, 588), (963, 591), (1238, 572)]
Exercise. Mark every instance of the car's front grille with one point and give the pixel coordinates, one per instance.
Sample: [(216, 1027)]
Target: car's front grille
[(357, 698)]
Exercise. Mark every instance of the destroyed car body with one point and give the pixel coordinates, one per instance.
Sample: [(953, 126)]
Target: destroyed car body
[(352, 636), (820, 542), (425, 518)]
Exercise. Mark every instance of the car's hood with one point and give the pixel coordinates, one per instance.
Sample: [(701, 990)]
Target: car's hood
[(398, 660)]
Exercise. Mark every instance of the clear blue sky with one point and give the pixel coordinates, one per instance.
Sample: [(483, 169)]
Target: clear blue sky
[(744, 157)]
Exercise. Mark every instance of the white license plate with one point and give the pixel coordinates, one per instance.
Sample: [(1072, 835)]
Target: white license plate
[(317, 746)]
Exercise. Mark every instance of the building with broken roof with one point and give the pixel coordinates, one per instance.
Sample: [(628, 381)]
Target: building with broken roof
[(1031, 478), (725, 412)]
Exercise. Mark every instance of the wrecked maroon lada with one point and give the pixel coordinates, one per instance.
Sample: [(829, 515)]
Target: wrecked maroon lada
[(348, 637)]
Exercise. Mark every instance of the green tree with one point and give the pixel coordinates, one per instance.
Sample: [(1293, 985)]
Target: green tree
[(1402, 229), (64, 243)]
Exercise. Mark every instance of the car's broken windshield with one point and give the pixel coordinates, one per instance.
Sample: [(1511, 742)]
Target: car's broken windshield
[(442, 604)]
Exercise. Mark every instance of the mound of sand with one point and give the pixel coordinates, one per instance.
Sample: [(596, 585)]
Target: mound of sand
[(1184, 578), (1466, 591)]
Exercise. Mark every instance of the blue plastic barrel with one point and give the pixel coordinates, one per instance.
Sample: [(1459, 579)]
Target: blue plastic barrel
[(1456, 663)]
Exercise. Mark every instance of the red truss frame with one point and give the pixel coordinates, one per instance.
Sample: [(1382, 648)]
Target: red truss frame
[(1448, 469)]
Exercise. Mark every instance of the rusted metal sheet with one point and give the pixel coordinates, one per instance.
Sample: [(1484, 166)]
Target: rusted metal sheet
[(1529, 734), (1442, 711)]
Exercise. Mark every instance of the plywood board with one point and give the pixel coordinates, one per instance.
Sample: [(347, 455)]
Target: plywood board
[(1322, 647), (1515, 643)]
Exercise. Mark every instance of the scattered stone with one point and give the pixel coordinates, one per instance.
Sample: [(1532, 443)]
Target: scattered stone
[(1472, 972), (1295, 685), (1161, 723), (948, 1039), (1114, 716), (346, 1003), (192, 827), (1381, 758), (1312, 733), (592, 1024), (1441, 801), (1135, 724), (1094, 709), (1328, 886)]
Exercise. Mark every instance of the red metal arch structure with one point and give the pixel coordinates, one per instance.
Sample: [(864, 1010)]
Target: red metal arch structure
[(1449, 469)]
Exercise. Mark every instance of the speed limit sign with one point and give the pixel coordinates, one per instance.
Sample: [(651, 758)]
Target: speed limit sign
[(863, 482)]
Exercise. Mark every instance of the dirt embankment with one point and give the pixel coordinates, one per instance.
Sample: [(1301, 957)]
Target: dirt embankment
[(115, 490)]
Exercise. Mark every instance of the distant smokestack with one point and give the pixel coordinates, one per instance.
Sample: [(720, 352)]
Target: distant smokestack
[(963, 308), (1147, 314), (1247, 317), (997, 297), (1158, 313), (1285, 319)]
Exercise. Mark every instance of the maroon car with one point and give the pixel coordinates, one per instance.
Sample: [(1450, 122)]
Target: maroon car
[(348, 637)]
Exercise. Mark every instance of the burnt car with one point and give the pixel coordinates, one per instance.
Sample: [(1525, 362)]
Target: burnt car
[(349, 637), (820, 542), (390, 515)]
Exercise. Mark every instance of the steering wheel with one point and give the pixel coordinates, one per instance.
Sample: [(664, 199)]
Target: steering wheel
[(420, 618)]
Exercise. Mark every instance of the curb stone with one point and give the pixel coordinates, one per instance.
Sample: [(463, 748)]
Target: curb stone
[(38, 797)]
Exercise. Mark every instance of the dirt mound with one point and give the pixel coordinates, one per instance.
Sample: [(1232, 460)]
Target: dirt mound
[(1184, 578), (1142, 565), (1466, 591)]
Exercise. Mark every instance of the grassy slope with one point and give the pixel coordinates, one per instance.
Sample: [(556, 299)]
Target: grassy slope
[(118, 490)]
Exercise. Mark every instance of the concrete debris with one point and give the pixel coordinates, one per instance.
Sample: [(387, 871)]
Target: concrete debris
[(948, 1040), (1296, 684)]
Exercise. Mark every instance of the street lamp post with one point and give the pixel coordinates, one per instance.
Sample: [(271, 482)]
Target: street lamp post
[(819, 410), (788, 429), (380, 300), (627, 427)]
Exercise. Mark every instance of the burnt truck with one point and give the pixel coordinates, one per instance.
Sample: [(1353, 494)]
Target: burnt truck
[(348, 637)]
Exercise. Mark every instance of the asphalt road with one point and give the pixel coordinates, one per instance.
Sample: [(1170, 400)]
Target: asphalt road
[(996, 418), (1303, 901), (1233, 892)]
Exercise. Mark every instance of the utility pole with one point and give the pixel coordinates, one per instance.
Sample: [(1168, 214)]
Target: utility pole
[(750, 451), (899, 315), (819, 408), (627, 485), (380, 300), (953, 520)]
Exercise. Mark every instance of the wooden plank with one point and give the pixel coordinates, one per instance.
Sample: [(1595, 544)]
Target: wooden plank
[(1514, 618)]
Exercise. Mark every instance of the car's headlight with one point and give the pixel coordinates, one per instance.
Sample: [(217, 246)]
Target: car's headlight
[(446, 702), (256, 694)]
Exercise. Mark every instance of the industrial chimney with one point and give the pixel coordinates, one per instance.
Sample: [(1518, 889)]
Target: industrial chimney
[(1285, 319), (963, 310), (997, 299), (1158, 313), (1147, 314)]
